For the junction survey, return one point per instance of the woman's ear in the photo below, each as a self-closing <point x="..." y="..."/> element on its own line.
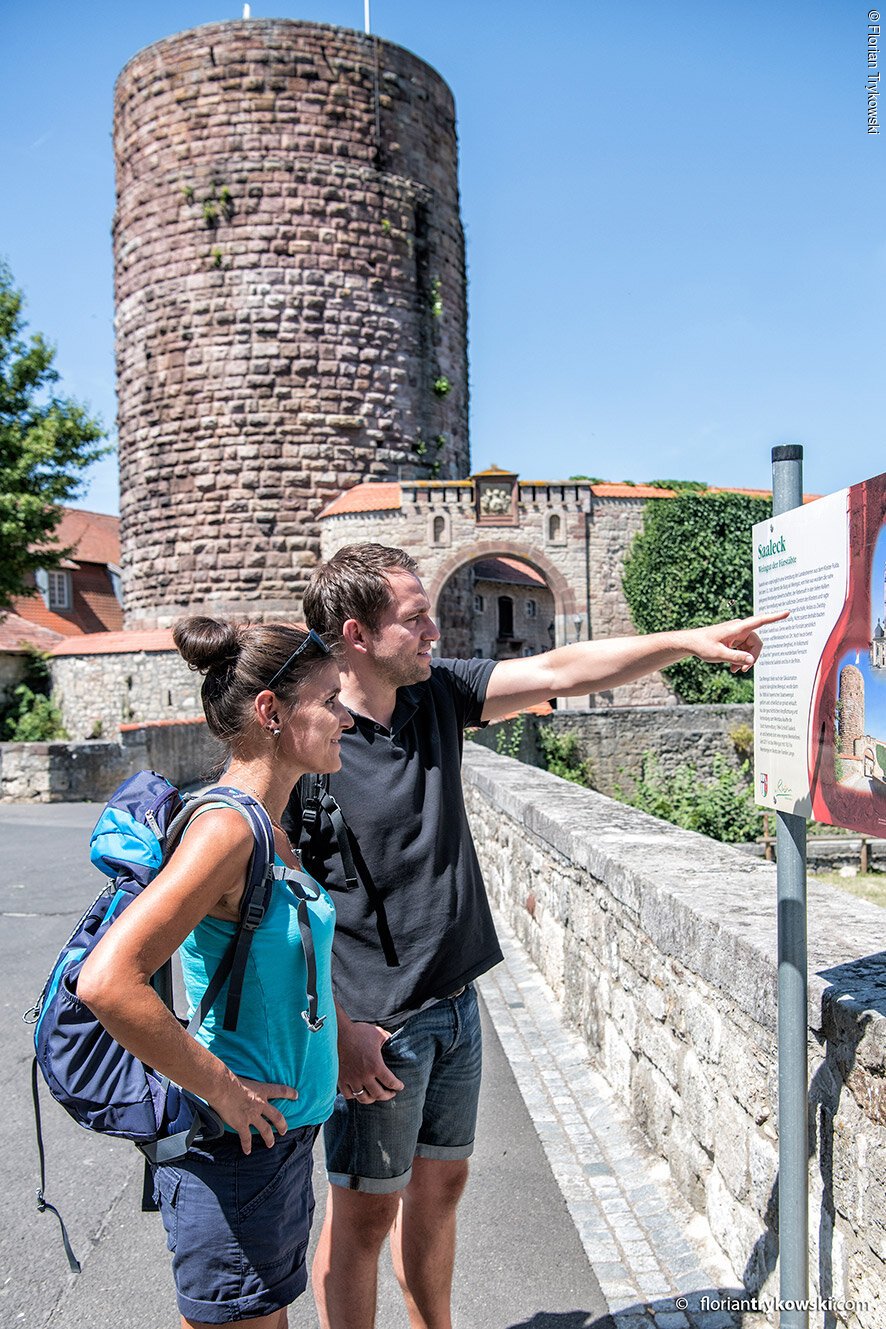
<point x="267" y="712"/>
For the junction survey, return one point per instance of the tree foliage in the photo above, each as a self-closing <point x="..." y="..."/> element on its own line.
<point x="46" y="442"/>
<point x="691" y="564"/>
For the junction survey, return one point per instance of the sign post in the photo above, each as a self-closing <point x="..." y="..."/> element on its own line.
<point x="793" y="1144"/>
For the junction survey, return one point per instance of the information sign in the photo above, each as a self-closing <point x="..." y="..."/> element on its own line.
<point x="820" y="684"/>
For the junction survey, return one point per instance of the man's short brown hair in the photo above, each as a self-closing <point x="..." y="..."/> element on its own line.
<point x="353" y="584"/>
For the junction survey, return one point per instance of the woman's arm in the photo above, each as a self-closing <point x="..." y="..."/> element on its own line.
<point x="209" y="864"/>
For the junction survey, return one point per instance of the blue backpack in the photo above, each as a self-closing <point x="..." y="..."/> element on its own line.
<point x="101" y="1085"/>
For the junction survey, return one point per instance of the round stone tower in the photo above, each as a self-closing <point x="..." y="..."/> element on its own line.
<point x="290" y="291"/>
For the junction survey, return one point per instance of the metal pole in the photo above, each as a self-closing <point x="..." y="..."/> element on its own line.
<point x="793" y="1143"/>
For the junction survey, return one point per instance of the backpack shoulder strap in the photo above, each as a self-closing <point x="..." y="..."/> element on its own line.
<point x="252" y="905"/>
<point x="305" y="890"/>
<point x="316" y="798"/>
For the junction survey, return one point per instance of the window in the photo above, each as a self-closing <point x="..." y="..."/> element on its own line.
<point x="554" y="528"/>
<point x="505" y="616"/>
<point x="479" y="604"/>
<point x="116" y="580"/>
<point x="58" y="593"/>
<point x="531" y="609"/>
<point x="439" y="528"/>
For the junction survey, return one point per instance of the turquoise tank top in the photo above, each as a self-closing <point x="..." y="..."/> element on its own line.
<point x="272" y="1042"/>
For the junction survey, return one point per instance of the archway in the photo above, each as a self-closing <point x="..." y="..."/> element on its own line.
<point x="498" y="601"/>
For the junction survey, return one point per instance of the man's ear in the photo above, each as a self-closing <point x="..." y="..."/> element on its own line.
<point x="354" y="635"/>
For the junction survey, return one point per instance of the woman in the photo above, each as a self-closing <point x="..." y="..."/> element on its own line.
<point x="237" y="1211"/>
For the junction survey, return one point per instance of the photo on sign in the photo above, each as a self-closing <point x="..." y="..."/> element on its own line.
<point x="847" y="735"/>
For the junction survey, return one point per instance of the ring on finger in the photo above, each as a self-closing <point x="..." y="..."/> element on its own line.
<point x="358" y="1092"/>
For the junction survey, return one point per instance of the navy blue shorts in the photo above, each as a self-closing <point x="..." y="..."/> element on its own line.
<point x="238" y="1225"/>
<point x="438" y="1055"/>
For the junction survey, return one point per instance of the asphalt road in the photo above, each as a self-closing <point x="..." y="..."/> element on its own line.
<point x="520" y="1264"/>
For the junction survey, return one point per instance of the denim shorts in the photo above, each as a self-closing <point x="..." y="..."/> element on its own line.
<point x="238" y="1224"/>
<point x="437" y="1054"/>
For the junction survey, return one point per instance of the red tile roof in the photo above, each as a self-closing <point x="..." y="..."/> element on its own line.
<point x="95" y="536"/>
<point x="382" y="496"/>
<point x="510" y="570"/>
<point x="622" y="490"/>
<point x="117" y="643"/>
<point x="16" y="632"/>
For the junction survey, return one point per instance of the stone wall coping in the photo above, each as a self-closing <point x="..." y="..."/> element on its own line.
<point x="701" y="902"/>
<point x="161" y="724"/>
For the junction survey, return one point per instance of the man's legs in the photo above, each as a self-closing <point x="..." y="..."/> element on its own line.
<point x="423" y="1240"/>
<point x="344" y="1275"/>
<point x="410" y="1151"/>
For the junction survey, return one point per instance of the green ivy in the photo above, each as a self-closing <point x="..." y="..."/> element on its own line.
<point x="722" y="808"/>
<point x="691" y="564"/>
<point x="679" y="486"/>
<point x="509" y="737"/>
<point x="562" y="757"/>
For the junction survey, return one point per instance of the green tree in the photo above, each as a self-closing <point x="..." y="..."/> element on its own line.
<point x="46" y="442"/>
<point x="692" y="564"/>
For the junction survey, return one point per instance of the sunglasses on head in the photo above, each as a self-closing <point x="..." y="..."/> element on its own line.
<point x="312" y="639"/>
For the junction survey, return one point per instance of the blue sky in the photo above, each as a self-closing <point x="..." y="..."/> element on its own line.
<point x="674" y="221"/>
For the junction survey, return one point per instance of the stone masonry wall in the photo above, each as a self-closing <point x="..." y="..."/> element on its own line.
<point x="616" y="740"/>
<point x="184" y="752"/>
<point x="661" y="945"/>
<point x="290" y="286"/>
<point x="581" y="562"/>
<point x="96" y="694"/>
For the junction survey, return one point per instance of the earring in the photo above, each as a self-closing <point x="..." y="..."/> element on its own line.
<point x="275" y="733"/>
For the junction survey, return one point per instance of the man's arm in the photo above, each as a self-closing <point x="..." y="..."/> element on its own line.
<point x="592" y="666"/>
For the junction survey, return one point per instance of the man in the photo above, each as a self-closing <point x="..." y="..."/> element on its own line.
<point x="416" y="930"/>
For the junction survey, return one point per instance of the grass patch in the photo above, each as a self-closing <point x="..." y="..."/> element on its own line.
<point x="868" y="886"/>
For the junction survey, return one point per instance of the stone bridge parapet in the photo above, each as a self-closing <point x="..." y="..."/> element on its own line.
<point x="661" y="945"/>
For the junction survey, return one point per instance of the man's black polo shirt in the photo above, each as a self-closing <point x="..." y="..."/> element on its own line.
<point x="418" y="924"/>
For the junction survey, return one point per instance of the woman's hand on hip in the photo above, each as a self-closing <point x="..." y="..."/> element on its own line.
<point x="245" y="1104"/>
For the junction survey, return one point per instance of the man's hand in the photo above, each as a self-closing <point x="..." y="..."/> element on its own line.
<point x="362" y="1073"/>
<point x="734" y="643"/>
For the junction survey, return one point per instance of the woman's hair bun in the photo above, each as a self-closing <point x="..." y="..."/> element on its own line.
<point x="206" y="643"/>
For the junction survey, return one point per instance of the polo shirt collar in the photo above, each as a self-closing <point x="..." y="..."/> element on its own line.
<point x="405" y="706"/>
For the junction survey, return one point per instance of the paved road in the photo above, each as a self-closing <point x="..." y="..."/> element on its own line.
<point x="520" y="1264"/>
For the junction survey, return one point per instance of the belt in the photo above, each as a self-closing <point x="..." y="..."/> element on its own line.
<point x="451" y="996"/>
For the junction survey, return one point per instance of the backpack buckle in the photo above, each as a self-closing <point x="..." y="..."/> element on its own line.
<point x="310" y="815"/>
<point x="253" y="915"/>
<point x="314" y="1025"/>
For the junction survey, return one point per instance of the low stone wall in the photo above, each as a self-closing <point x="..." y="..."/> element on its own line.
<point x="614" y="741"/>
<point x="184" y="751"/>
<point x="661" y="945"/>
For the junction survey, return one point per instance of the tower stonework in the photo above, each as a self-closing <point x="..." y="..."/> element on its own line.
<point x="290" y="292"/>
